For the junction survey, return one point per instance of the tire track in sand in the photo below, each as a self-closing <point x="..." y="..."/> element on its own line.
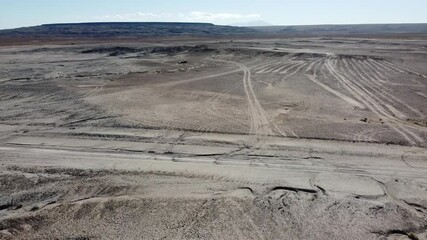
<point x="220" y="113"/>
<point x="260" y="124"/>
<point x="364" y="96"/>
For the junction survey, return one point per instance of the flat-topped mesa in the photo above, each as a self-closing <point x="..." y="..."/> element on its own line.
<point x="131" y="23"/>
<point x="125" y="29"/>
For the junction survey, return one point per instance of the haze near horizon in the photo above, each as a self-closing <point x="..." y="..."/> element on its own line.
<point x="23" y="13"/>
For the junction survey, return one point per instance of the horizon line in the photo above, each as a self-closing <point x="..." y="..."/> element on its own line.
<point x="180" y="22"/>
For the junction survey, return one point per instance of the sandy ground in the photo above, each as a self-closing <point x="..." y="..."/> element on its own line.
<point x="315" y="138"/>
<point x="336" y="89"/>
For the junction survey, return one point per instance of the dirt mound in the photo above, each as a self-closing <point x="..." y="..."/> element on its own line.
<point x="113" y="51"/>
<point x="116" y="51"/>
<point x="180" y="49"/>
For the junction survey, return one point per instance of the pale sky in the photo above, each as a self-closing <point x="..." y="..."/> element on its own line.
<point x="19" y="13"/>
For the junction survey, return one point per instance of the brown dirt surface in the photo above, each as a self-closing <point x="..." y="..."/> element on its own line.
<point x="192" y="138"/>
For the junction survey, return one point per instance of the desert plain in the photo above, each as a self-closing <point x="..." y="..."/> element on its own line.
<point x="214" y="138"/>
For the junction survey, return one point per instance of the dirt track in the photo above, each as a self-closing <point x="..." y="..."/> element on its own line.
<point x="310" y="138"/>
<point x="363" y="94"/>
